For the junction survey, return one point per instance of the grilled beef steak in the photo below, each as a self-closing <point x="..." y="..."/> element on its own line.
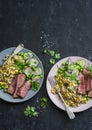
<point x="81" y="87"/>
<point x="24" y="89"/>
<point x="20" y="81"/>
<point x="12" y="86"/>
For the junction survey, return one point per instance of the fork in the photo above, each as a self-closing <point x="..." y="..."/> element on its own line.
<point x="69" y="112"/>
<point x="17" y="49"/>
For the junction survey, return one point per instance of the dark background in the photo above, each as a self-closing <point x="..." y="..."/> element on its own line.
<point x="62" y="25"/>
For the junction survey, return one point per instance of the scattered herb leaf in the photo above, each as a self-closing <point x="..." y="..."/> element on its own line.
<point x="52" y="61"/>
<point x="57" y="56"/>
<point x="44" y="51"/>
<point x="43" y="102"/>
<point x="53" y="55"/>
<point x="30" y="111"/>
<point x="51" y="52"/>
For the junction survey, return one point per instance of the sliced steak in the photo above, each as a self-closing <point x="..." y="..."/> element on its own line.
<point x="20" y="81"/>
<point x="87" y="79"/>
<point x="81" y="87"/>
<point x="90" y="93"/>
<point x="12" y="86"/>
<point x="24" y="89"/>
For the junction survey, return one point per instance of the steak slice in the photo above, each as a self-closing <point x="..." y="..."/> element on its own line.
<point x="90" y="93"/>
<point x="24" y="89"/>
<point x="81" y="87"/>
<point x="20" y="81"/>
<point x="12" y="86"/>
<point x="87" y="79"/>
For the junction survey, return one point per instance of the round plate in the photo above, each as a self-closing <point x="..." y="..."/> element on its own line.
<point x="31" y="93"/>
<point x="55" y="98"/>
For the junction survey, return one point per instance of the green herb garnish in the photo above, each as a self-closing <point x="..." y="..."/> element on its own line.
<point x="90" y="70"/>
<point x="53" y="55"/>
<point x="35" y="85"/>
<point x="57" y="56"/>
<point x="44" y="51"/>
<point x="51" y="52"/>
<point x="43" y="102"/>
<point x="52" y="61"/>
<point x="30" y="111"/>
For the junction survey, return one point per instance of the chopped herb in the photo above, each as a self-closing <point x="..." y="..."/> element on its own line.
<point x="73" y="77"/>
<point x="35" y="85"/>
<point x="57" y="56"/>
<point x="51" y="52"/>
<point x="90" y="69"/>
<point x="53" y="55"/>
<point x="52" y="61"/>
<point x="30" y="111"/>
<point x="86" y="96"/>
<point x="28" y="76"/>
<point x="44" y="51"/>
<point x="33" y="68"/>
<point x="19" y="64"/>
<point x="43" y="102"/>
<point x="21" y="54"/>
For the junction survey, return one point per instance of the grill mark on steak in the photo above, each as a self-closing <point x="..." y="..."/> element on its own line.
<point x="24" y="89"/>
<point x="20" y="81"/>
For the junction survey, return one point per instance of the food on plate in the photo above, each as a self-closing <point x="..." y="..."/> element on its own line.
<point x="74" y="80"/>
<point x="22" y="91"/>
<point x="85" y="82"/>
<point x="20" y="74"/>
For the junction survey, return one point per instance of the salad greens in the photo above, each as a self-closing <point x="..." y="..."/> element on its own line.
<point x="71" y="71"/>
<point x="25" y="63"/>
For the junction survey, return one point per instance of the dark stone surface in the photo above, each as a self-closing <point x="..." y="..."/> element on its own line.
<point x="62" y="25"/>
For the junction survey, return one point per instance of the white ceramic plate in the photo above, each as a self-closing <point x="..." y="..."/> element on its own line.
<point x="55" y="98"/>
<point x="31" y="93"/>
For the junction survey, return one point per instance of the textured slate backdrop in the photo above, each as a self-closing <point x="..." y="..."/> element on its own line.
<point x="62" y="25"/>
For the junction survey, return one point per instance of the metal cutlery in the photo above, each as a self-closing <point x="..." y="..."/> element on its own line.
<point x="17" y="49"/>
<point x="69" y="112"/>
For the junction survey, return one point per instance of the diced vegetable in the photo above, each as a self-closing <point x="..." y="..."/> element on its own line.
<point x="28" y="70"/>
<point x="38" y="71"/>
<point x="35" y="85"/>
<point x="82" y="63"/>
<point x="32" y="62"/>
